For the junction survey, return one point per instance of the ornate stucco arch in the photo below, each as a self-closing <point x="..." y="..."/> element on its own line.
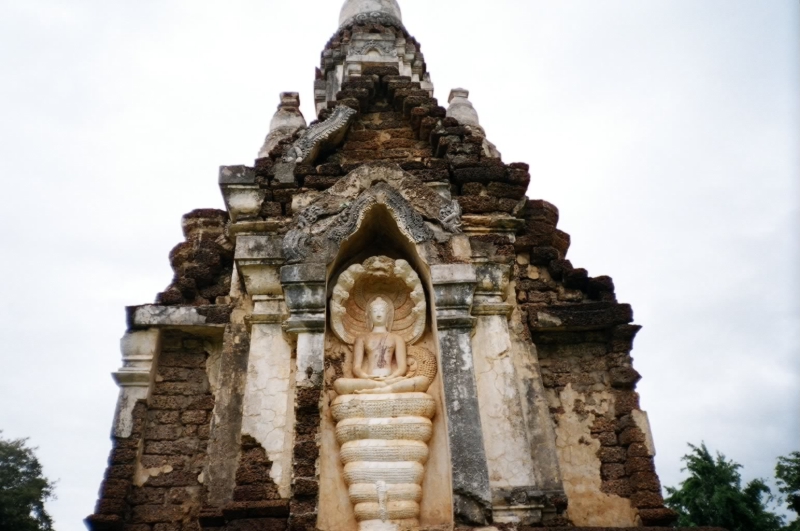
<point x="420" y="214"/>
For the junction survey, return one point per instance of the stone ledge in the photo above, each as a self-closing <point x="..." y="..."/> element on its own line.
<point x="152" y="315"/>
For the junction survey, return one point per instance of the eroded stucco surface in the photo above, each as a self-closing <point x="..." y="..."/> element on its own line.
<point x="266" y="401"/>
<point x="580" y="466"/>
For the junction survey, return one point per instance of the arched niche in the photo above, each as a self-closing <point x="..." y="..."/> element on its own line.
<point x="379" y="233"/>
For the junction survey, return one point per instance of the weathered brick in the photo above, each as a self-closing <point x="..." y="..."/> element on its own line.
<point x="607" y="438"/>
<point x="611" y="471"/>
<point x="159" y="432"/>
<point x="612" y="454"/>
<point x="645" y="481"/>
<point x="174" y="479"/>
<point x="471" y="204"/>
<point x="625" y="402"/>
<point x="182" y="359"/>
<point x="146" y="496"/>
<point x="624" y="378"/>
<point x="120" y="472"/>
<point x="506" y="191"/>
<point x="157" y="513"/>
<point x="635" y="465"/>
<point x="111" y="506"/>
<point x="194" y="417"/>
<point x="638" y="450"/>
<point x="631" y="435"/>
<point x="618" y="487"/>
<point x="249" y="493"/>
<point x="179" y="447"/>
<point x="647" y="500"/>
<point x="305" y="487"/>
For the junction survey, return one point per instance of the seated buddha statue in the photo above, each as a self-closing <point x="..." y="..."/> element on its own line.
<point x="380" y="364"/>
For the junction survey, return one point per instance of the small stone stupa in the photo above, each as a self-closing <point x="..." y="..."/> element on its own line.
<point x="381" y="332"/>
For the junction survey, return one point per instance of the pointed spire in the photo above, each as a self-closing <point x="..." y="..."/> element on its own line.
<point x="365" y="10"/>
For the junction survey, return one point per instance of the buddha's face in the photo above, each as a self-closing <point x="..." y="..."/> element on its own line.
<point x="378" y="313"/>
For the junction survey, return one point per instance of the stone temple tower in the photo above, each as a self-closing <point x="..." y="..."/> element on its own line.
<point x="380" y="332"/>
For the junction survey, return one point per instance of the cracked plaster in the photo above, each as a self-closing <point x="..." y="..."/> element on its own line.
<point x="266" y="413"/>
<point x="580" y="466"/>
<point x="508" y="450"/>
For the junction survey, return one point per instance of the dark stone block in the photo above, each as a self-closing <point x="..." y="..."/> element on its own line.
<point x="597" y="285"/>
<point x="610" y="471"/>
<point x="270" y="209"/>
<point x="647" y="500"/>
<point x="561" y="241"/>
<point x="640" y="464"/>
<point x="624" y="378"/>
<point x="506" y="191"/>
<point x="472" y="189"/>
<point x="591" y="315"/>
<point x="152" y="514"/>
<point x="612" y="454"/>
<point x="485" y="172"/>
<point x="622" y="338"/>
<point x="647" y="481"/>
<point x="576" y="279"/>
<point x="304" y="487"/>
<point x="618" y="487"/>
<point x="542" y="255"/>
<point x="664" y="517"/>
<point x="473" y="204"/>
<point x="538" y="210"/>
<point x="638" y="450"/>
<point x="625" y="402"/>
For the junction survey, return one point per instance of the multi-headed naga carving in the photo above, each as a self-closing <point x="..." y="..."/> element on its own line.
<point x="383" y="413"/>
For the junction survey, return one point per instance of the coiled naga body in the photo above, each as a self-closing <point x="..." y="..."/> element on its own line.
<point x="384" y="412"/>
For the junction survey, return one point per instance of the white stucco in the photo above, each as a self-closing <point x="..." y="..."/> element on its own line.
<point x="508" y="451"/>
<point x="266" y="412"/>
<point x="352" y="8"/>
<point x="139" y="351"/>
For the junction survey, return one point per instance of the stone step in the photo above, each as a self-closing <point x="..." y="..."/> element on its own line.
<point x="402" y="428"/>
<point x="386" y="451"/>
<point x="383" y="406"/>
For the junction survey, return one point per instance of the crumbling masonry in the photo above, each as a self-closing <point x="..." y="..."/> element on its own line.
<point x="223" y="419"/>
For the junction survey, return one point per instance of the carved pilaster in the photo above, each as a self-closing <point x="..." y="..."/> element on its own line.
<point x="135" y="378"/>
<point x="259" y="260"/>
<point x="453" y="289"/>
<point x="243" y="197"/>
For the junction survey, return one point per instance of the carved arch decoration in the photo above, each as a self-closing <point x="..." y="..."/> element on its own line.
<point x="320" y="229"/>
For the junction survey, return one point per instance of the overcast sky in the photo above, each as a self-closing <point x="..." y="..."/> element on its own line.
<point x="666" y="131"/>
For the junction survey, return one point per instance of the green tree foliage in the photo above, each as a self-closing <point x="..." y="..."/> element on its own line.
<point x="23" y="489"/>
<point x="713" y="495"/>
<point x="787" y="472"/>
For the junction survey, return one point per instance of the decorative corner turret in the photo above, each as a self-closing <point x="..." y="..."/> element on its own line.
<point x="462" y="110"/>
<point x="286" y="122"/>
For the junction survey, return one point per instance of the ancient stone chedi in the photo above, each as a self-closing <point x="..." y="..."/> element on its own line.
<point x="381" y="332"/>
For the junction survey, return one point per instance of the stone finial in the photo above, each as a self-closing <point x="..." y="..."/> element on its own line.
<point x="286" y="121"/>
<point x="369" y="9"/>
<point x="461" y="108"/>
